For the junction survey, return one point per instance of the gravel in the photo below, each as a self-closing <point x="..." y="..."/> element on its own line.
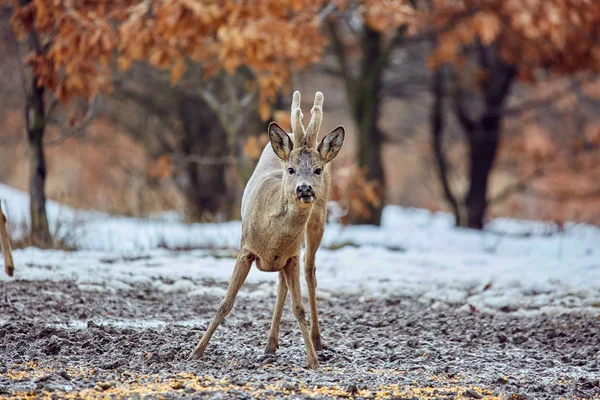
<point x="60" y="341"/>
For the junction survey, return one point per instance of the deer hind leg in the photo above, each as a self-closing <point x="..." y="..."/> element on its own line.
<point x="240" y="272"/>
<point x="273" y="339"/>
<point x="292" y="279"/>
<point x="314" y="234"/>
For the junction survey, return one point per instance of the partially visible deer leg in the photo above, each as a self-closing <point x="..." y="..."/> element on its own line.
<point x="273" y="340"/>
<point x="314" y="234"/>
<point x="240" y="272"/>
<point x="292" y="279"/>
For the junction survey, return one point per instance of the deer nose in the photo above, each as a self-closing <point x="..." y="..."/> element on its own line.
<point x="304" y="191"/>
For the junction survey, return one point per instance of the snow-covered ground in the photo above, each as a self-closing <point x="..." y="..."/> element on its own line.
<point x="522" y="265"/>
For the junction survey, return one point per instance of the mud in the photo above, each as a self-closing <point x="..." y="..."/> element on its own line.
<point x="59" y="341"/>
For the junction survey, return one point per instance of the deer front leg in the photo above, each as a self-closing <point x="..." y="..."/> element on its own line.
<point x="313" y="240"/>
<point x="311" y="284"/>
<point x="292" y="280"/>
<point x="240" y="272"/>
<point x="273" y="339"/>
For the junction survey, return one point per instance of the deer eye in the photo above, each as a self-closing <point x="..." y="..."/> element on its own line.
<point x="318" y="171"/>
<point x="291" y="171"/>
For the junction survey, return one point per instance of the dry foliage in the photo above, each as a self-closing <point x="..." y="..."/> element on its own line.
<point x="553" y="156"/>
<point x="254" y="145"/>
<point x="84" y="42"/>
<point x="386" y="16"/>
<point x="354" y="194"/>
<point x="557" y="35"/>
<point x="162" y="168"/>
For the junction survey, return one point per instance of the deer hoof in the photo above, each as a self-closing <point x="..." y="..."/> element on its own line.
<point x="313" y="364"/>
<point x="271" y="346"/>
<point x="196" y="354"/>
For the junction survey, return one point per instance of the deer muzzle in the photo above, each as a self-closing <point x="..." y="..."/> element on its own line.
<point x="305" y="193"/>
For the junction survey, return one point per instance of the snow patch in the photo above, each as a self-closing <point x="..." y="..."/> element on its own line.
<point x="526" y="268"/>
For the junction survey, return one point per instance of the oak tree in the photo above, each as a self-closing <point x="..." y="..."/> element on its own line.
<point x="374" y="28"/>
<point x="77" y="47"/>
<point x="483" y="47"/>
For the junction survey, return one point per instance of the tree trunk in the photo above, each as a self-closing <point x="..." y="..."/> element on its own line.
<point x="35" y="125"/>
<point x="366" y="109"/>
<point x="253" y="126"/>
<point x="437" y="123"/>
<point x="363" y="92"/>
<point x="483" y="147"/>
<point x="204" y="186"/>
<point x="483" y="133"/>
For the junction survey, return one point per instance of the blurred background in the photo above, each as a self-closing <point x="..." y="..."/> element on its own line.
<point x="479" y="108"/>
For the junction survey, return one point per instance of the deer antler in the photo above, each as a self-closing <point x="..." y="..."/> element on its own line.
<point x="315" y="121"/>
<point x="296" y="119"/>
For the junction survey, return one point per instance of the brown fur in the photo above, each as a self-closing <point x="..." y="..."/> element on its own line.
<point x="276" y="220"/>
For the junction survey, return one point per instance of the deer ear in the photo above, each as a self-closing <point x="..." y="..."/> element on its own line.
<point x="280" y="141"/>
<point x="331" y="144"/>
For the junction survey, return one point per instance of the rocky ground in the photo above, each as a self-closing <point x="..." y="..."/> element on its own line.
<point x="58" y="341"/>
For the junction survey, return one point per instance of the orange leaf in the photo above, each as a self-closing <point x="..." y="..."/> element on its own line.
<point x="163" y="167"/>
<point x="177" y="71"/>
<point x="264" y="111"/>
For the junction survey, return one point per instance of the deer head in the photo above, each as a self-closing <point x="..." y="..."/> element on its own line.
<point x="303" y="161"/>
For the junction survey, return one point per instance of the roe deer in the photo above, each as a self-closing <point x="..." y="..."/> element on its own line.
<point x="285" y="204"/>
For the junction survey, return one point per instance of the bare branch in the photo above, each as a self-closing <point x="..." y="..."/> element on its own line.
<point x="210" y="99"/>
<point x="227" y="121"/>
<point x="324" y="13"/>
<point x="230" y="113"/>
<point x="584" y="99"/>
<point x="555" y="96"/>
<point x="339" y="49"/>
<point x="405" y="88"/>
<point x="53" y="103"/>
<point x="518" y="187"/>
<point x="561" y="196"/>
<point x="145" y="100"/>
<point x="203" y="160"/>
<point x="328" y="70"/>
<point x="469" y="123"/>
<point x="437" y="130"/>
<point x="11" y="139"/>
<point x="248" y="99"/>
<point x="232" y="94"/>
<point x="245" y="103"/>
<point x="499" y="80"/>
<point x="22" y="74"/>
<point x="80" y="126"/>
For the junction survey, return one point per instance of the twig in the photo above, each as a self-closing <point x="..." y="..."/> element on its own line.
<point x="51" y="107"/>
<point x="437" y="131"/>
<point x="517" y="187"/>
<point x="9" y="266"/>
<point x="561" y="196"/>
<point x="339" y="49"/>
<point x="328" y="9"/>
<point x="203" y="160"/>
<point x="91" y="112"/>
<point x="547" y="100"/>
